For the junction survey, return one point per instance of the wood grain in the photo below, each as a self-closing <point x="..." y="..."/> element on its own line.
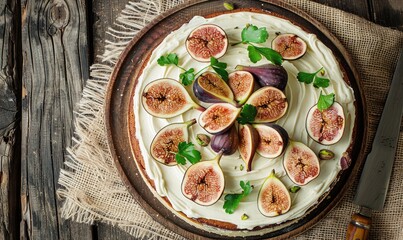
<point x="55" y="67"/>
<point x="387" y="13"/>
<point x="9" y="87"/>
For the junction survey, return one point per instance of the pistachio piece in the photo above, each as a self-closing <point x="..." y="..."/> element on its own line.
<point x="295" y="189"/>
<point x="345" y="161"/>
<point x="325" y="154"/>
<point x="228" y="6"/>
<point x="202" y="139"/>
<point x="244" y="217"/>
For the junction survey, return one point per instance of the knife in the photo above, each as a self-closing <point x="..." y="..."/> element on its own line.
<point x="374" y="181"/>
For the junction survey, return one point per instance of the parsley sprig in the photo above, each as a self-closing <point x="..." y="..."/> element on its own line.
<point x="308" y="78"/>
<point x="187" y="151"/>
<point x="252" y="34"/>
<point x="247" y="115"/>
<point x="232" y="200"/>
<point x="188" y="75"/>
<point x="325" y="101"/>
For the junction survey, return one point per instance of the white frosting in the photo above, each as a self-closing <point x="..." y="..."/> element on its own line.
<point x="300" y="98"/>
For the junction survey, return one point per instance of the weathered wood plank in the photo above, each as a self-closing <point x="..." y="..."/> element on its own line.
<point x="109" y="232"/>
<point x="9" y="86"/>
<point x="358" y="7"/>
<point x="388" y="13"/>
<point x="55" y="67"/>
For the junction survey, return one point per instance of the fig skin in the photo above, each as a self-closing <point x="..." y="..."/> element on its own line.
<point x="242" y="84"/>
<point x="248" y="135"/>
<point x="268" y="75"/>
<point x="203" y="173"/>
<point x="290" y="46"/>
<point x="226" y="142"/>
<point x="281" y="137"/>
<point x="274" y="198"/>
<point x="219" y="91"/>
<point x="165" y="142"/>
<point x="207" y="41"/>
<point x="330" y="123"/>
<point x="218" y="118"/>
<point x="167" y="98"/>
<point x="300" y="163"/>
<point x="270" y="102"/>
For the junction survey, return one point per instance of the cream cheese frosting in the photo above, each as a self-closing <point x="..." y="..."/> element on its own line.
<point x="301" y="97"/>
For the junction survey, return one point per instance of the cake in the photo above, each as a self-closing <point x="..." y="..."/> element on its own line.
<point x="165" y="181"/>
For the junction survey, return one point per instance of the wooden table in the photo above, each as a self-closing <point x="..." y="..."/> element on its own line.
<point x="46" y="49"/>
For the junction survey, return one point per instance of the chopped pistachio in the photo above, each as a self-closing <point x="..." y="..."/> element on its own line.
<point x="325" y="154"/>
<point x="244" y="217"/>
<point x="322" y="72"/>
<point x="295" y="189"/>
<point x="241" y="167"/>
<point x="202" y="139"/>
<point x="228" y="6"/>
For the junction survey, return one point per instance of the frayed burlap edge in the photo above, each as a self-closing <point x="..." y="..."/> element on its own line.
<point x="91" y="186"/>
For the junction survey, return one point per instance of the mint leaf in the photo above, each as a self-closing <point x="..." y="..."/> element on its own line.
<point x="254" y="34"/>
<point x="321" y="82"/>
<point x="171" y="58"/>
<point x="232" y="200"/>
<point x="187" y="151"/>
<point x="253" y="54"/>
<point x="187" y="77"/>
<point x="271" y="55"/>
<point x="219" y="68"/>
<point x="325" y="101"/>
<point x="248" y="114"/>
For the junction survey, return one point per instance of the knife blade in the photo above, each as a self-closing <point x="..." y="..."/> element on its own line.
<point x="374" y="180"/>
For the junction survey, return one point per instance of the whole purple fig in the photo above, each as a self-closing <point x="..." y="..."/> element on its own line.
<point x="226" y="142"/>
<point x="268" y="75"/>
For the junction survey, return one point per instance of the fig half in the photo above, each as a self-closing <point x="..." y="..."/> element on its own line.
<point x="226" y="142"/>
<point x="326" y="127"/>
<point x="165" y="143"/>
<point x="207" y="41"/>
<point x="300" y="163"/>
<point x="242" y="84"/>
<point x="273" y="140"/>
<point x="209" y="87"/>
<point x="270" y="102"/>
<point x="268" y="75"/>
<point x="167" y="98"/>
<point x="218" y="117"/>
<point x="274" y="198"/>
<point x="289" y="45"/>
<point x="248" y="142"/>
<point x="204" y="182"/>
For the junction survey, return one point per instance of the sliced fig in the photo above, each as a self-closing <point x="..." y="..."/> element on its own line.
<point x="274" y="198"/>
<point x="289" y="45"/>
<point x="226" y="142"/>
<point x="248" y="141"/>
<point x="241" y="84"/>
<point x="268" y="75"/>
<point x="300" y="163"/>
<point x="165" y="143"/>
<point x="207" y="41"/>
<point x="211" y="88"/>
<point x="218" y="117"/>
<point x="326" y="127"/>
<point x="203" y="182"/>
<point x="166" y="98"/>
<point x="270" y="102"/>
<point x="273" y="140"/>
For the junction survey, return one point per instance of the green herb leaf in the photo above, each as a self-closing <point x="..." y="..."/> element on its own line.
<point x="271" y="55"/>
<point x="253" y="54"/>
<point x="232" y="200"/>
<point x="248" y="114"/>
<point x="307" y="77"/>
<point x="187" y="77"/>
<point x="321" y="82"/>
<point x="325" y="101"/>
<point x="187" y="151"/>
<point x="219" y="67"/>
<point x="171" y="58"/>
<point x="254" y="34"/>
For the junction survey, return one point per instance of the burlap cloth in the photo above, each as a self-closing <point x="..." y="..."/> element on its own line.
<point x="93" y="191"/>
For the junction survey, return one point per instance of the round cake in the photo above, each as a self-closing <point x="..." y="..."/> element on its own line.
<point x="301" y="97"/>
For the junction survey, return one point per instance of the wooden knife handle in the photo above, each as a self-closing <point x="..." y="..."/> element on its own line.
<point x="358" y="228"/>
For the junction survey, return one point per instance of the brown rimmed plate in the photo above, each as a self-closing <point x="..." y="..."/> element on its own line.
<point x="121" y="127"/>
